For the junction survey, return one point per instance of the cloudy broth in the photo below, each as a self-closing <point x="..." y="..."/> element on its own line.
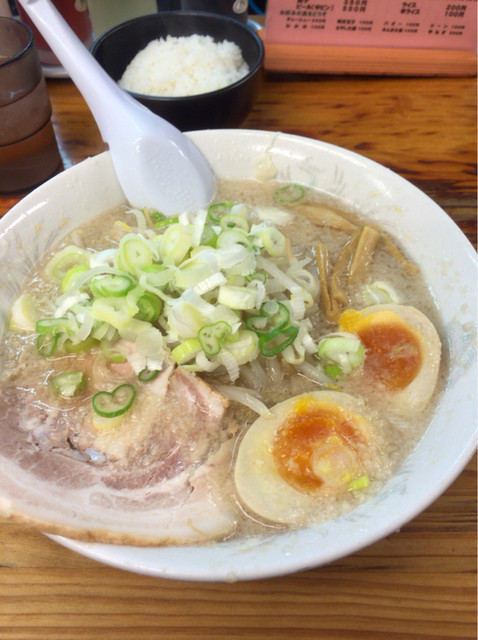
<point x="269" y="379"/>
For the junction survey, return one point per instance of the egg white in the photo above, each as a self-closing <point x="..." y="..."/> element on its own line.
<point x="415" y="396"/>
<point x="260" y="487"/>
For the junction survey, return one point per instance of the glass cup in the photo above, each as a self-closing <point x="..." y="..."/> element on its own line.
<point x="28" y="148"/>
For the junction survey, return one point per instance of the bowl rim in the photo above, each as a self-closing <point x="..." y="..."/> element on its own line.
<point x="204" y="14"/>
<point x="171" y="562"/>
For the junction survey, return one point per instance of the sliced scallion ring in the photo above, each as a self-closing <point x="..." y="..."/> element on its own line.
<point x="67" y="258"/>
<point x="379" y="293"/>
<point x="49" y="326"/>
<point x="216" y="211"/>
<point x="134" y="253"/>
<point x="166" y="222"/>
<point x="257" y="275"/>
<point x="68" y="383"/>
<point x="175" y="243"/>
<point x="289" y="193"/>
<point x="46" y="344"/>
<point x="149" y="306"/>
<point x="229" y="237"/>
<point x="274" y="342"/>
<point x="340" y="354"/>
<point x="211" y="336"/>
<point x="272" y="315"/>
<point x="71" y="276"/>
<point x="111" y="285"/>
<point x="274" y="241"/>
<point x="147" y="375"/>
<point x="208" y="237"/>
<point x="233" y="297"/>
<point x="72" y="346"/>
<point x="186" y="351"/>
<point x="234" y="221"/>
<point x="109" y="404"/>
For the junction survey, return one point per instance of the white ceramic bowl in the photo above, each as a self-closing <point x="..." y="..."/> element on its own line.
<point x="431" y="239"/>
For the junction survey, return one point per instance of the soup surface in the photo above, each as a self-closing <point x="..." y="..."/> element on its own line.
<point x="266" y="363"/>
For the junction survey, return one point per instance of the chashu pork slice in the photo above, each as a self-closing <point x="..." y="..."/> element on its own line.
<point x="154" y="478"/>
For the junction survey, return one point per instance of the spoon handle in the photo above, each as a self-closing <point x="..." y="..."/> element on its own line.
<point x="83" y="69"/>
<point x="157" y="165"/>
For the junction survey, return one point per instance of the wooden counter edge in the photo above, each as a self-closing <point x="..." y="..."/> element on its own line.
<point x="369" y="60"/>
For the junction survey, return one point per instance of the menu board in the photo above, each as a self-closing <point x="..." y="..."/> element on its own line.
<point x="367" y="27"/>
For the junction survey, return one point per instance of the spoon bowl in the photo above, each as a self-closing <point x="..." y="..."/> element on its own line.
<point x="157" y="166"/>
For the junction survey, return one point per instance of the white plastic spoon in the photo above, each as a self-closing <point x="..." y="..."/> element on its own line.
<point x="157" y="166"/>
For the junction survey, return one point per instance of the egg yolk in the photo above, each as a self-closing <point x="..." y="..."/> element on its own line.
<point x="316" y="445"/>
<point x="393" y="349"/>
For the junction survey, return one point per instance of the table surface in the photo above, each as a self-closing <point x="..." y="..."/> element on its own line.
<point x="416" y="584"/>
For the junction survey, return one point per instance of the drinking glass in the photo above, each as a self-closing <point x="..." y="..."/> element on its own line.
<point x="28" y="149"/>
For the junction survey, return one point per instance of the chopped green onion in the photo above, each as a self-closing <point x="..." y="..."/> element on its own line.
<point x="379" y="293"/>
<point x="340" y="354"/>
<point x="217" y="211"/>
<point x="191" y="272"/>
<point x="166" y="221"/>
<point x="133" y="328"/>
<point x="186" y="351"/>
<point x="229" y="237"/>
<point x="274" y="342"/>
<point x="237" y="297"/>
<point x="243" y="346"/>
<point x="211" y="336"/>
<point x="52" y="325"/>
<point x="157" y="275"/>
<point x="70" y="346"/>
<point x="109" y="404"/>
<point x="110" y="351"/>
<point x="175" y="244"/>
<point x="234" y="221"/>
<point x="333" y="371"/>
<point x="71" y="277"/>
<point x="134" y="253"/>
<point x="68" y="383"/>
<point x="257" y="275"/>
<point x="150" y="307"/>
<point x="46" y="344"/>
<point x="154" y="216"/>
<point x="272" y="315"/>
<point x="289" y="193"/>
<point x="67" y="258"/>
<point x="112" y="310"/>
<point x="24" y="313"/>
<point x="147" y="375"/>
<point x="362" y="482"/>
<point x="208" y="237"/>
<point x="274" y="241"/>
<point x="111" y="285"/>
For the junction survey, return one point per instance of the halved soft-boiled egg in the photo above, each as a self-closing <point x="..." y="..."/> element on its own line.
<point x="402" y="353"/>
<point x="311" y="446"/>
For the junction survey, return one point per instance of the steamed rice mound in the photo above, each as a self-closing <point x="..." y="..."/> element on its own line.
<point x="184" y="66"/>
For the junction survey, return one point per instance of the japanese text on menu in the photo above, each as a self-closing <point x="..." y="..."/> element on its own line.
<point x="419" y="23"/>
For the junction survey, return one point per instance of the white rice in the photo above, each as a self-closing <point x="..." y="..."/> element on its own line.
<point x="184" y="66"/>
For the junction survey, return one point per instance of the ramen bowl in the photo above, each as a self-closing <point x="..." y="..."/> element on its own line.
<point x="449" y="268"/>
<point x="225" y="107"/>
